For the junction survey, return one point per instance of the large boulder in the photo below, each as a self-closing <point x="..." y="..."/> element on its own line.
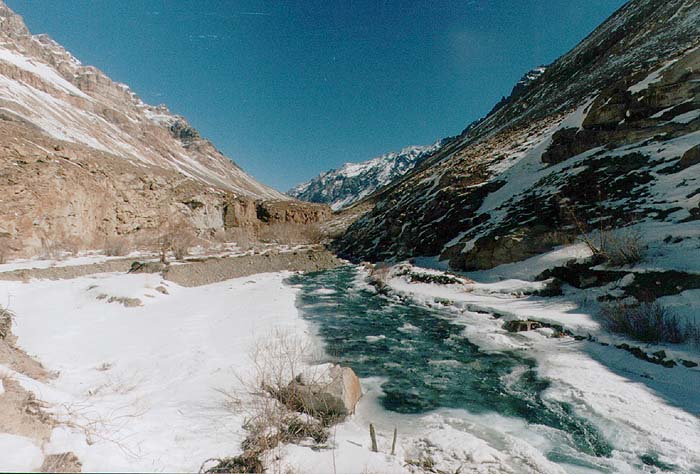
<point x="327" y="392"/>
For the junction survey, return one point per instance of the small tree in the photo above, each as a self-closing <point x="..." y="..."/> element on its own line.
<point x="177" y="237"/>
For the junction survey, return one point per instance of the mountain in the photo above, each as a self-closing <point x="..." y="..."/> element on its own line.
<point x="353" y="181"/>
<point x="83" y="159"/>
<point x="606" y="136"/>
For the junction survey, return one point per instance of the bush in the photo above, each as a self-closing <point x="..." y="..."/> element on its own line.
<point x="646" y="322"/>
<point x="116" y="246"/>
<point x="177" y="237"/>
<point x="622" y="247"/>
<point x="270" y="420"/>
<point x="243" y="237"/>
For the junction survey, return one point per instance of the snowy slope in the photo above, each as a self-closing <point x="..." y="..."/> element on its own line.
<point x="44" y="87"/>
<point x="354" y="181"/>
<point x="609" y="129"/>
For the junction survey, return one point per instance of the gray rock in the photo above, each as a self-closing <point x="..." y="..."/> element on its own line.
<point x="326" y="392"/>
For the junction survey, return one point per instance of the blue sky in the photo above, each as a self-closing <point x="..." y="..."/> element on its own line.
<point x="288" y="89"/>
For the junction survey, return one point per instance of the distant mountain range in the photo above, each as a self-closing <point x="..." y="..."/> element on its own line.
<point x="342" y="187"/>
<point x="352" y="182"/>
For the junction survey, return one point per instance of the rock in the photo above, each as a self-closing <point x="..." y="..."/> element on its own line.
<point x="127" y="302"/>
<point x="521" y="326"/>
<point x="325" y="392"/>
<point x="147" y="267"/>
<point x="690" y="158"/>
<point x="63" y="462"/>
<point x="273" y="212"/>
<point x="162" y="289"/>
<point x="5" y="323"/>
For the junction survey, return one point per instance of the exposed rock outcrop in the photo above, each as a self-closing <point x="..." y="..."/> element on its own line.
<point x="326" y="392"/>
<point x="605" y="135"/>
<point x="84" y="160"/>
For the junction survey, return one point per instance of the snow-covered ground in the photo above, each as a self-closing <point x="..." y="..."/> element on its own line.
<point x="138" y="386"/>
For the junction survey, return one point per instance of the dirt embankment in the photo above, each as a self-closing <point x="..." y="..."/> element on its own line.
<point x="197" y="272"/>
<point x="67" y="272"/>
<point x="220" y="269"/>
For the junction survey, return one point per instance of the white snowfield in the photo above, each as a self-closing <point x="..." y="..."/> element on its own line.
<point x="138" y="386"/>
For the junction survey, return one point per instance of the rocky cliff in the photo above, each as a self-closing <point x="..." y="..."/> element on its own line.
<point x="83" y="159"/>
<point x="603" y="137"/>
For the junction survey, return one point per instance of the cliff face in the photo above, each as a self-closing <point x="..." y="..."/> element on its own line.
<point x="605" y="133"/>
<point x="83" y="159"/>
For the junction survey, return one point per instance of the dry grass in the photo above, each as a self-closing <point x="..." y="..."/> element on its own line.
<point x="116" y="246"/>
<point x="618" y="247"/>
<point x="646" y="322"/>
<point x="269" y="419"/>
<point x="63" y="462"/>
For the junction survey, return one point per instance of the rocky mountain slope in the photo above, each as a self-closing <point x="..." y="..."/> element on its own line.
<point x="607" y="136"/>
<point x="83" y="159"/>
<point x="352" y="182"/>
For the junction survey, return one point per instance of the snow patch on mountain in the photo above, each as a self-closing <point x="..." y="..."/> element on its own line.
<point x="352" y="182"/>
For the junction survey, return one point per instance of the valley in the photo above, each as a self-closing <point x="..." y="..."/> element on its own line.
<point x="523" y="297"/>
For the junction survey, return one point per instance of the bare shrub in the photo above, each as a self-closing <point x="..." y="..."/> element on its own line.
<point x="243" y="237"/>
<point x="178" y="237"/>
<point x="269" y="419"/>
<point x="617" y="247"/>
<point x="115" y="246"/>
<point x="4" y="248"/>
<point x="646" y="322"/>
<point x="57" y="248"/>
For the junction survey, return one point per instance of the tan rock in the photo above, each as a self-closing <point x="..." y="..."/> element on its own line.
<point x="325" y="391"/>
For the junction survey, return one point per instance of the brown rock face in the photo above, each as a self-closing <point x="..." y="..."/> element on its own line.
<point x="83" y="160"/>
<point x="239" y="212"/>
<point x="292" y="212"/>
<point x="690" y="158"/>
<point x="489" y="252"/>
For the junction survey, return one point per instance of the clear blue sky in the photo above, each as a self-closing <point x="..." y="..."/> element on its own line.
<point x="288" y="89"/>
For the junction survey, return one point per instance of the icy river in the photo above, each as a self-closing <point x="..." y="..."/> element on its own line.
<point x="423" y="364"/>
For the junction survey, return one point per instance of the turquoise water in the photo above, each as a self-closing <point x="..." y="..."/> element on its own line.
<point x="426" y="361"/>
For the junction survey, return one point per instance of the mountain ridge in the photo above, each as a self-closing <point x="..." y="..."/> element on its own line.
<point x="85" y="161"/>
<point x="446" y="206"/>
<point x="341" y="187"/>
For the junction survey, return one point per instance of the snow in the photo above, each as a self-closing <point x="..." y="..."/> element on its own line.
<point x="141" y="382"/>
<point x="44" y="71"/>
<point x="686" y="117"/>
<point x="86" y="258"/>
<point x="19" y="454"/>
<point x="653" y="77"/>
<point x="354" y="181"/>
